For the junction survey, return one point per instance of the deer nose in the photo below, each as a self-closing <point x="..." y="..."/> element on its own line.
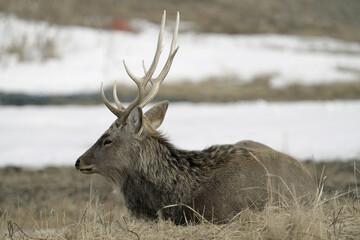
<point x="77" y="163"/>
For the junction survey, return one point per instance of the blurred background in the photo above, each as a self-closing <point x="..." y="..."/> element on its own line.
<point x="282" y="72"/>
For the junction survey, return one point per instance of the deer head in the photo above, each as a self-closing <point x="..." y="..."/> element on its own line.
<point x="118" y="147"/>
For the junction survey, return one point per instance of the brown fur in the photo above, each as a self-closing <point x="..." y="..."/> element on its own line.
<point x="217" y="182"/>
<point x="152" y="174"/>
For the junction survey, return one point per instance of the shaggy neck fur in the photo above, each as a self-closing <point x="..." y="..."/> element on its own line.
<point x="166" y="175"/>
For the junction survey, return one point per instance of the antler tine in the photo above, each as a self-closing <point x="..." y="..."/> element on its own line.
<point x="113" y="109"/>
<point x="176" y="31"/>
<point x="116" y="99"/>
<point x="157" y="81"/>
<point x="144" y="68"/>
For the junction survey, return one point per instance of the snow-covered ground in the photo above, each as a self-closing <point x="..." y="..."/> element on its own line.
<point x="87" y="57"/>
<point x="42" y="136"/>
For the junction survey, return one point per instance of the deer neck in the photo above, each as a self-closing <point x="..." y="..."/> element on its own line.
<point x="167" y="165"/>
<point x="168" y="176"/>
<point x="164" y="164"/>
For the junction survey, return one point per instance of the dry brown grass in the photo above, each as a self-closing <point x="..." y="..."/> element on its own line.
<point x="335" y="18"/>
<point x="232" y="89"/>
<point x="226" y="89"/>
<point x="324" y="219"/>
<point x="59" y="203"/>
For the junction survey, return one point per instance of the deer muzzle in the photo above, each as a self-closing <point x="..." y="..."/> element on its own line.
<point x="86" y="169"/>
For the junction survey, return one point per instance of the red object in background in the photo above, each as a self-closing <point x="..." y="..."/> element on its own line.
<point x="121" y="25"/>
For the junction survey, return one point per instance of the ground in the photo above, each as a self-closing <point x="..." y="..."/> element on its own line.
<point x="61" y="203"/>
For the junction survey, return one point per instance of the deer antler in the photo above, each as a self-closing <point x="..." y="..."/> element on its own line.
<point x="142" y="98"/>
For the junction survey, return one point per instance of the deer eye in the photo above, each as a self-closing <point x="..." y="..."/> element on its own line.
<point x="107" y="142"/>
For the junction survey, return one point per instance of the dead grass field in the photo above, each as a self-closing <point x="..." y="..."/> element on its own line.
<point x="211" y="90"/>
<point x="334" y="18"/>
<point x="60" y="203"/>
<point x="230" y="89"/>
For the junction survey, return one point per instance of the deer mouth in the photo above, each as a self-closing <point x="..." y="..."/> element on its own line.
<point x="87" y="170"/>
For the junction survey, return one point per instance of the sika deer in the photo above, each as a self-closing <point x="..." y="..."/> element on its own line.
<point x="152" y="174"/>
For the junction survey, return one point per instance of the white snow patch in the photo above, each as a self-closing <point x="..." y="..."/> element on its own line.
<point x="43" y="136"/>
<point x="88" y="57"/>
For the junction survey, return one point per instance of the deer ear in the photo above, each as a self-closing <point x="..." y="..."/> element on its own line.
<point x="156" y="114"/>
<point x="135" y="120"/>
